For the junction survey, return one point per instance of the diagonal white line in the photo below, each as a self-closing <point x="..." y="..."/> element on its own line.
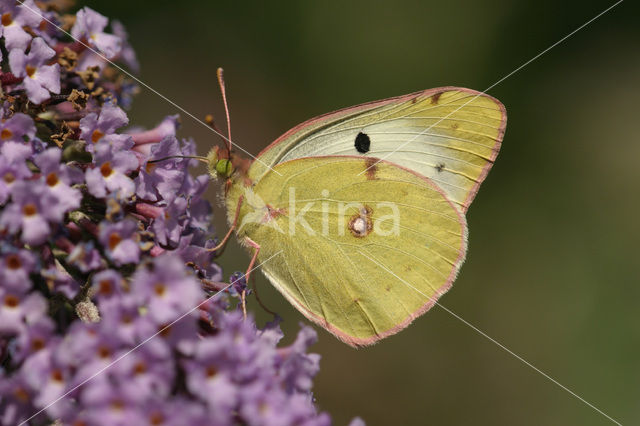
<point x="500" y="345"/>
<point x="142" y="83"/>
<point x="115" y="361"/>
<point x="493" y="85"/>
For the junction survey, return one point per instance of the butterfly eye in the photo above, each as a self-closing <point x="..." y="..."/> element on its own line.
<point x="224" y="168"/>
<point x="218" y="167"/>
<point x="362" y="143"/>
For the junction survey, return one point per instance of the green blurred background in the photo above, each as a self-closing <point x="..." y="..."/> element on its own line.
<point x="552" y="269"/>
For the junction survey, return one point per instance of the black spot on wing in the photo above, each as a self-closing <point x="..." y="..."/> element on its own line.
<point x="440" y="167"/>
<point x="362" y="143"/>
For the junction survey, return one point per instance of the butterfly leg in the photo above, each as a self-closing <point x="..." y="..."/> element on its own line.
<point x="233" y="227"/>
<point x="243" y="299"/>
<point x="247" y="274"/>
<point x="260" y="302"/>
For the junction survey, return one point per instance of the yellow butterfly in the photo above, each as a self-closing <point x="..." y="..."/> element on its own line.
<point x="360" y="213"/>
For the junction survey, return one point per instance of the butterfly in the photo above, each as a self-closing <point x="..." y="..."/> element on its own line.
<point x="358" y="216"/>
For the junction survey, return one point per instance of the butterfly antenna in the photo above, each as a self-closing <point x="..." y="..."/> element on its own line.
<point x="226" y="109"/>
<point x="211" y="123"/>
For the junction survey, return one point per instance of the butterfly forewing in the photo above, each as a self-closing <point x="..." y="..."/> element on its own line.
<point x="451" y="135"/>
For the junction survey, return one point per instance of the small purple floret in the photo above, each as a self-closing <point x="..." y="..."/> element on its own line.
<point x="90" y="25"/>
<point x="39" y="79"/>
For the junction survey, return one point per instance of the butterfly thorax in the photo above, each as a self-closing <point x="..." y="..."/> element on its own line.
<point x="240" y="193"/>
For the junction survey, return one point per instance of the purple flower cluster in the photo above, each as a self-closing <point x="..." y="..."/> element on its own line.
<point x="104" y="262"/>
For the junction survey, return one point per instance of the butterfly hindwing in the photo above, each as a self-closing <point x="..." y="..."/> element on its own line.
<point x="361" y="254"/>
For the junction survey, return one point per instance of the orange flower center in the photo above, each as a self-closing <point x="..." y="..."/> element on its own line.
<point x="117" y="405"/>
<point x="159" y="288"/>
<point x="6" y="19"/>
<point x="21" y="395"/>
<point x="164" y="330"/>
<point x="37" y="344"/>
<point x="52" y="179"/>
<point x="96" y="136"/>
<point x="6" y="134"/>
<point x="56" y="375"/>
<point x="106" y="169"/>
<point x="105" y="287"/>
<point x="29" y="209"/>
<point x="9" y="177"/>
<point x="156" y="418"/>
<point x="211" y="371"/>
<point x="140" y="368"/>
<point x="104" y="352"/>
<point x="13" y="261"/>
<point x="31" y="70"/>
<point x="114" y="240"/>
<point x="11" y="301"/>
